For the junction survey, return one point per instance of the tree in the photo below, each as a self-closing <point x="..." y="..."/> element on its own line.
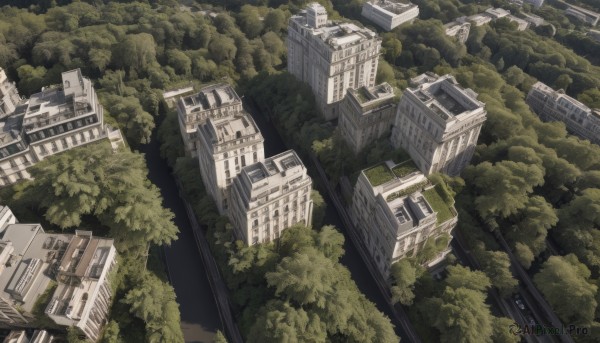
<point x="249" y="21"/>
<point x="463" y="316"/>
<point x="503" y="186"/>
<point x="179" y="61"/>
<point x="278" y="321"/>
<point x="385" y="72"/>
<point x="136" y="52"/>
<point x="567" y="273"/>
<point x="590" y="97"/>
<point x="330" y="242"/>
<point x="74" y="335"/>
<point x="496" y="265"/>
<point x="275" y="21"/>
<point x="111" y="333"/>
<point x="222" y="48"/>
<point x="153" y="301"/>
<point x="111" y="186"/>
<point x="459" y="276"/>
<point x="524" y="255"/>
<point x="501" y="331"/>
<point x="563" y="82"/>
<point x="514" y="76"/>
<point x="136" y="123"/>
<point x="319" y="208"/>
<point x="219" y="337"/>
<point x="404" y="276"/>
<point x="392" y="46"/>
<point x="31" y="79"/>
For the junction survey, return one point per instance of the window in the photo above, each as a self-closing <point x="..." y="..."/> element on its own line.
<point x="226" y="164"/>
<point x="255" y="157"/>
<point x="243" y="161"/>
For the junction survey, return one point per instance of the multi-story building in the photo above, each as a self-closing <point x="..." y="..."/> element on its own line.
<point x="458" y="30"/>
<point x="215" y="101"/>
<point x="331" y="56"/>
<point x="270" y="196"/>
<point x="77" y="265"/>
<point x="594" y="34"/>
<point x="535" y="3"/>
<point x="9" y="95"/>
<point x="438" y="123"/>
<point x="225" y="146"/>
<point x="585" y="15"/>
<point x="6" y="218"/>
<point x="389" y="14"/>
<point x="58" y="118"/>
<point x="366" y="114"/>
<point x="475" y="19"/>
<point x="397" y="210"/>
<point x="552" y="105"/>
<point x="83" y="295"/>
<point x="20" y="336"/>
<point x="533" y="19"/>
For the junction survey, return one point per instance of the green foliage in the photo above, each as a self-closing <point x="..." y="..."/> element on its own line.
<point x="110" y="186"/>
<point x="501" y="334"/>
<point x="154" y="302"/>
<point x="404" y="276"/>
<point x="524" y="254"/>
<point x="496" y="265"/>
<point x="319" y="207"/>
<point x="111" y="333"/>
<point x="219" y="337"/>
<point x="463" y="277"/>
<point x="439" y="205"/>
<point x="378" y="175"/>
<point x="136" y="123"/>
<point x="561" y="273"/>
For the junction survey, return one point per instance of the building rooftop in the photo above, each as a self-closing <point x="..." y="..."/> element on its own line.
<point x="57" y="103"/>
<point x="393" y="7"/>
<point x="210" y="97"/>
<point x="366" y="96"/>
<point x="443" y="95"/>
<point x="231" y="128"/>
<point x="334" y="33"/>
<point x="278" y="164"/>
<point x="497" y="13"/>
<point x="28" y="259"/>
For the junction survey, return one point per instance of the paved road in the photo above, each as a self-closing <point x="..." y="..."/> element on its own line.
<point x="199" y="315"/>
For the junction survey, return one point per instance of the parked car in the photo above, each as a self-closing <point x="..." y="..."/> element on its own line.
<point x="520" y="304"/>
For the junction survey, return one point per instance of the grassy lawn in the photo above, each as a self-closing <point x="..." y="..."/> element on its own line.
<point x="379" y="174"/>
<point x="404" y="168"/>
<point x="437" y="203"/>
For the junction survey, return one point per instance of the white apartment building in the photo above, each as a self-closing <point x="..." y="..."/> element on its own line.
<point x="552" y="105"/>
<point x="9" y="95"/>
<point x="215" y="101"/>
<point x="20" y="336"/>
<point x="16" y="336"/>
<point x="533" y="19"/>
<point x="475" y="19"/>
<point x="83" y="295"/>
<point x="59" y="118"/>
<point x="397" y="211"/>
<point x="31" y="260"/>
<point x="366" y="114"/>
<point x="225" y="146"/>
<point x="389" y="14"/>
<point x="269" y="196"/>
<point x="458" y="30"/>
<point x="438" y="123"/>
<point x="331" y="56"/>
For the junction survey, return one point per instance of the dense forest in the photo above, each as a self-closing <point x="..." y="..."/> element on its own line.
<point x="529" y="181"/>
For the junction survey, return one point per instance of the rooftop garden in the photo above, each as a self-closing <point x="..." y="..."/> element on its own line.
<point x="404" y="168"/>
<point x="379" y="174"/>
<point x="407" y="191"/>
<point x="438" y="204"/>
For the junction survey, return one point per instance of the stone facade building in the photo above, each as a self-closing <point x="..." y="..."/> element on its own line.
<point x="458" y="30"/>
<point x="366" y="114"/>
<point x="78" y="266"/>
<point x="225" y="146"/>
<point x="438" y="123"/>
<point x="9" y="95"/>
<point x="215" y="101"/>
<point x="552" y="105"/>
<point x="56" y="119"/>
<point x="389" y="14"/>
<point x="397" y="211"/>
<point x="270" y="196"/>
<point x="331" y="56"/>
